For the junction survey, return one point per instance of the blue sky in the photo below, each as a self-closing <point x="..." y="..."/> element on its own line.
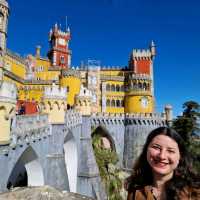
<point x="108" y="30"/>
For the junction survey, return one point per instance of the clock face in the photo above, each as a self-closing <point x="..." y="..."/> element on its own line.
<point x="144" y="102"/>
<point x="61" y="41"/>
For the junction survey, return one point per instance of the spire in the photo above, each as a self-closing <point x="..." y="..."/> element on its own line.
<point x="68" y="29"/>
<point x="153" y="49"/>
<point x="56" y="26"/>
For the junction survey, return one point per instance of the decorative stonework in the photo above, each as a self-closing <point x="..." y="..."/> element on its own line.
<point x="55" y="92"/>
<point x="8" y="92"/>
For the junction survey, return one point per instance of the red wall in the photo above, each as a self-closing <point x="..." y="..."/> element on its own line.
<point x="143" y="66"/>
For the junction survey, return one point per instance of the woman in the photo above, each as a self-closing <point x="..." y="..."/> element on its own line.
<point x="163" y="171"/>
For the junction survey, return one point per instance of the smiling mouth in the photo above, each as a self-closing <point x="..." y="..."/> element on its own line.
<point x="160" y="163"/>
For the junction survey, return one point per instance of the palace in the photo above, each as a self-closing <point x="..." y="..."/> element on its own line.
<point x="111" y="90"/>
<point x="50" y="112"/>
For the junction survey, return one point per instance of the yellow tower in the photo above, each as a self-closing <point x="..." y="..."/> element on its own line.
<point x="8" y="94"/>
<point x="139" y="95"/>
<point x="54" y="103"/>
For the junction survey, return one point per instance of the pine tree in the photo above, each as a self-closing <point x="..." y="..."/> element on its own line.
<point x="188" y="127"/>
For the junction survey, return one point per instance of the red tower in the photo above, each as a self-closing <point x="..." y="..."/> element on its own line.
<point x="141" y="60"/>
<point x="59" y="53"/>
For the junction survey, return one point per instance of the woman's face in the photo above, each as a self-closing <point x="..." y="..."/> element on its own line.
<point x="163" y="155"/>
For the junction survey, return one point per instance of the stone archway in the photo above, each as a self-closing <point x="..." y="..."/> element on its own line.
<point x="107" y="140"/>
<point x="27" y="171"/>
<point x="71" y="160"/>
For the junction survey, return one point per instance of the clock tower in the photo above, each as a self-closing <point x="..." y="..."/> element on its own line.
<point x="59" y="53"/>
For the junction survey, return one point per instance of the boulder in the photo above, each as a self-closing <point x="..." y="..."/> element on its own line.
<point x="40" y="193"/>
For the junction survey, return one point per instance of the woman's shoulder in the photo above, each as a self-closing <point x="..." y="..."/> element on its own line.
<point x="189" y="193"/>
<point x="140" y="193"/>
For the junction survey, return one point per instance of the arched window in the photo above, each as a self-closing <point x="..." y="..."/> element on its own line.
<point x="108" y="87"/>
<point x="112" y="87"/>
<point x="108" y="102"/>
<point x="122" y="103"/>
<point x="140" y="85"/>
<point x="113" y="103"/>
<point x="62" y="59"/>
<point x="118" y="103"/>
<point x="144" y="86"/>
<point x="117" y="88"/>
<point x="134" y="85"/>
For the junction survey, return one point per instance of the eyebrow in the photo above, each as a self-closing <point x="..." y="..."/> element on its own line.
<point x="171" y="148"/>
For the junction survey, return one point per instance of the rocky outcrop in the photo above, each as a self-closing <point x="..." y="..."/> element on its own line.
<point x="40" y="193"/>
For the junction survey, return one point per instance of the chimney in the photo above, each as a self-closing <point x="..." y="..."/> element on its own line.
<point x="37" y="54"/>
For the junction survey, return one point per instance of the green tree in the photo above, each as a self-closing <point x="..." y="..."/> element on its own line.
<point x="111" y="175"/>
<point x="188" y="126"/>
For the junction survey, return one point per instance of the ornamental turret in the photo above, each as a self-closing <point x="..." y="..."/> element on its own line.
<point x="59" y="53"/>
<point x="83" y="101"/>
<point x="54" y="103"/>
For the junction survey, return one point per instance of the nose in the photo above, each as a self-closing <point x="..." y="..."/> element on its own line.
<point x="162" y="154"/>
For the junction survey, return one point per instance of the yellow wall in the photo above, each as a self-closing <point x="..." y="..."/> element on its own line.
<point x="15" y="66"/>
<point x="112" y="72"/>
<point x="41" y="70"/>
<point x="74" y="85"/>
<point x="115" y="110"/>
<point x="133" y="104"/>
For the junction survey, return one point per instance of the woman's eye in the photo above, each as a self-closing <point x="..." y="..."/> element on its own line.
<point x="156" y="147"/>
<point x="171" y="151"/>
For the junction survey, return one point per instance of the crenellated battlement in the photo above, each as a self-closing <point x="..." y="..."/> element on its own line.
<point x="73" y="118"/>
<point x="29" y="128"/>
<point x="111" y="67"/>
<point x="59" y="32"/>
<point x="84" y="92"/>
<point x="141" y="54"/>
<point x="128" y="119"/>
<point x="55" y="92"/>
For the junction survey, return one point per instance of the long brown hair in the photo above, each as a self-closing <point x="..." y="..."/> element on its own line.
<point x="142" y="172"/>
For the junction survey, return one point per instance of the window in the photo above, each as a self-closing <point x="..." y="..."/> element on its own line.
<point x="113" y="103"/>
<point x="117" y="88"/>
<point x="108" y="102"/>
<point x="112" y="87"/>
<point x="62" y="59"/>
<point x="108" y="87"/>
<point x="118" y="103"/>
